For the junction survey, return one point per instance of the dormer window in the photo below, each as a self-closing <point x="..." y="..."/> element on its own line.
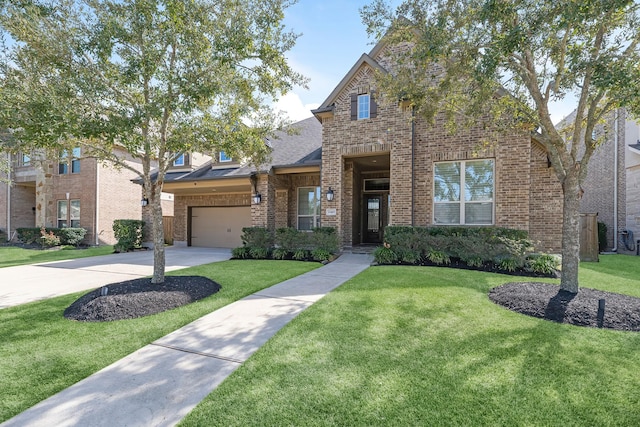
<point x="179" y="161"/>
<point x="363" y="106"/>
<point x="224" y="158"/>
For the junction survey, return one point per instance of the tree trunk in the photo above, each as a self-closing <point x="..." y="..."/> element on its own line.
<point x="570" y="233"/>
<point x="158" y="235"/>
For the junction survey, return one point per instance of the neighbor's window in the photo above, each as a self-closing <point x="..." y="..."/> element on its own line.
<point x="68" y="217"/>
<point x="62" y="213"/>
<point x="463" y="192"/>
<point x="179" y="161"/>
<point x="224" y="158"/>
<point x="74" y="214"/>
<point x="308" y="208"/>
<point x="69" y="162"/>
<point x="363" y="106"/>
<point x="25" y="159"/>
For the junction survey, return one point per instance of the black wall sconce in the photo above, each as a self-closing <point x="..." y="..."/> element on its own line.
<point x="329" y="194"/>
<point x="144" y="202"/>
<point x="257" y="198"/>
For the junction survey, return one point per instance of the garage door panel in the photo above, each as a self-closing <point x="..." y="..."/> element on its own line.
<point x="219" y="227"/>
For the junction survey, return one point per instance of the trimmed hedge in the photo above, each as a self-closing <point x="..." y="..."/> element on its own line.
<point x="129" y="234"/>
<point x="68" y="236"/>
<point x="491" y="248"/>
<point x="288" y="243"/>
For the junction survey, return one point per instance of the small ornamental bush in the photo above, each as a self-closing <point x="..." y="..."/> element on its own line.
<point x="241" y="252"/>
<point x="300" y="254"/>
<point x="67" y="236"/>
<point x="257" y="237"/>
<point x="259" y="253"/>
<point x="129" y="234"/>
<point x="71" y="236"/>
<point x="321" y="255"/>
<point x="280" y="253"/>
<point x="438" y="257"/>
<point x="385" y="255"/>
<point x="48" y="239"/>
<point x="542" y="263"/>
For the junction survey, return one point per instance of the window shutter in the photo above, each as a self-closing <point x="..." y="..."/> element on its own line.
<point x="354" y="106"/>
<point x="373" y="107"/>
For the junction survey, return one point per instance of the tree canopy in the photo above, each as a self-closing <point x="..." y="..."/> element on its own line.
<point x="513" y="59"/>
<point x="156" y="77"/>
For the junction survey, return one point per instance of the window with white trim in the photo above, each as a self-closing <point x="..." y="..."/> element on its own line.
<point x="464" y="192"/>
<point x="224" y="158"/>
<point x="363" y="106"/>
<point x="308" y="208"/>
<point x="179" y="161"/>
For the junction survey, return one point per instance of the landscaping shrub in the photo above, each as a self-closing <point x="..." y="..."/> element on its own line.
<point x="67" y="236"/>
<point x="257" y="237"/>
<point x="48" y="239"/>
<point x="129" y="234"/>
<point x="258" y="242"/>
<point x="241" y="252"/>
<point x="490" y="248"/>
<point x="71" y="236"/>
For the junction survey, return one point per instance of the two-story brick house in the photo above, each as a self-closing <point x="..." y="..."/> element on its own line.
<point x="612" y="186"/>
<point x="361" y="166"/>
<point x="72" y="191"/>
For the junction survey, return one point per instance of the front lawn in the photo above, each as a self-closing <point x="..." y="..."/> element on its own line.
<point x="12" y="255"/>
<point x="425" y="346"/>
<point x="42" y="353"/>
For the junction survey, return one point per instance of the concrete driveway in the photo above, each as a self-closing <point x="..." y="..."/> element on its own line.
<point x="26" y="283"/>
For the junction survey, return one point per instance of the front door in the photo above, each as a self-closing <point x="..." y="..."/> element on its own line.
<point x="374" y="214"/>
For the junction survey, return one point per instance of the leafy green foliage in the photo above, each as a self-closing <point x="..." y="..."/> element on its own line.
<point x="318" y="245"/>
<point x="602" y="236"/>
<point x="155" y="77"/>
<point x="542" y="263"/>
<point x="241" y="252"/>
<point x="384" y="255"/>
<point x="500" y="65"/>
<point x="129" y="234"/>
<point x="438" y="257"/>
<point x="48" y="239"/>
<point x="257" y="237"/>
<point x="67" y="236"/>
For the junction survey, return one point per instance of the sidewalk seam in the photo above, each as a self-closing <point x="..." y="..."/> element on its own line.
<point x="199" y="353"/>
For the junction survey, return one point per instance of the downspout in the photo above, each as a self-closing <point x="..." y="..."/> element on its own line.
<point x="9" y="198"/>
<point x="413" y="161"/>
<point x="615" y="183"/>
<point x="97" y="205"/>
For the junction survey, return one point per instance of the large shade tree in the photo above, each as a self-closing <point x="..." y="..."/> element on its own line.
<point x="154" y="77"/>
<point x="513" y="59"/>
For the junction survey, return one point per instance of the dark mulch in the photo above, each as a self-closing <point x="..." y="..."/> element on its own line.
<point x="139" y="298"/>
<point x="546" y="301"/>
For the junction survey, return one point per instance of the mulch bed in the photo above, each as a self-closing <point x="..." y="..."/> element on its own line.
<point x="546" y="301"/>
<point x="139" y="298"/>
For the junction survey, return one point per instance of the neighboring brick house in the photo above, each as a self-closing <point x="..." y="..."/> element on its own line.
<point x="80" y="192"/>
<point x="376" y="167"/>
<point x="612" y="186"/>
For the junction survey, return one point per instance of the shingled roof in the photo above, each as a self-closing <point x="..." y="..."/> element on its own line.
<point x="303" y="147"/>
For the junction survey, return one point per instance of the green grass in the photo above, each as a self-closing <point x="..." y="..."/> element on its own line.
<point x="42" y="353"/>
<point x="11" y="255"/>
<point x="425" y="346"/>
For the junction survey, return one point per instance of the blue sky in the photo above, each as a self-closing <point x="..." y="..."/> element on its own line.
<point x="333" y="38"/>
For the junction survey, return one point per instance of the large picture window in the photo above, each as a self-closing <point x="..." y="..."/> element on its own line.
<point x="308" y="208"/>
<point x="463" y="192"/>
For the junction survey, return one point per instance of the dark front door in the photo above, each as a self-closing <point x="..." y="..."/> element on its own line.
<point x="374" y="213"/>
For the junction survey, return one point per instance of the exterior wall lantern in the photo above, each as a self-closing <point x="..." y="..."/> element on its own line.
<point x="257" y="198"/>
<point x="144" y="202"/>
<point x="329" y="194"/>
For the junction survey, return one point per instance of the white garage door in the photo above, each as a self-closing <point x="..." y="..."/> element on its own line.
<point x="219" y="227"/>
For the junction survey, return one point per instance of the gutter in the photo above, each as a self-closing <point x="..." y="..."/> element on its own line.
<point x="615" y="184"/>
<point x="413" y="161"/>
<point x="9" y="198"/>
<point x="97" y="212"/>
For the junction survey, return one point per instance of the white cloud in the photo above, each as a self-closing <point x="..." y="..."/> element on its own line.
<point x="292" y="105"/>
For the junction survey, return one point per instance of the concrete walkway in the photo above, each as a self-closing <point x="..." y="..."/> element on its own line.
<point x="160" y="383"/>
<point x="26" y="283"/>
